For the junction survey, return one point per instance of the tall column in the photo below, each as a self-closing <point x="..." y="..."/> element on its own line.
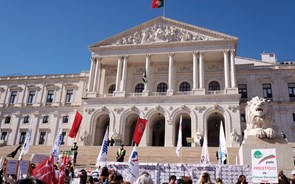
<point x="91" y="73"/>
<point x="226" y="69"/>
<point x="170" y="75"/>
<point x="124" y="74"/>
<point x="202" y="70"/>
<point x="233" y="69"/>
<point x="119" y="68"/>
<point x="195" y="71"/>
<point x="147" y="70"/>
<point x="97" y="74"/>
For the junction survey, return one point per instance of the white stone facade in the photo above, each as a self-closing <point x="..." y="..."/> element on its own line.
<point x="190" y="72"/>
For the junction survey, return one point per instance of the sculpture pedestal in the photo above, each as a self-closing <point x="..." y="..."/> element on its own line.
<point x="283" y="151"/>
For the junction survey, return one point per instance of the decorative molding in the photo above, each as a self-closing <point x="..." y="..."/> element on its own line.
<point x="89" y="110"/>
<point x="118" y="109"/>
<point x="200" y="108"/>
<point x="233" y="108"/>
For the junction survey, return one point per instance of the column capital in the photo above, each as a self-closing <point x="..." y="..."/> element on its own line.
<point x="148" y="56"/>
<point x="120" y="57"/>
<point x="225" y="51"/>
<point x="195" y="53"/>
<point x="201" y="53"/>
<point x="233" y="51"/>
<point x="171" y="54"/>
<point x="126" y="57"/>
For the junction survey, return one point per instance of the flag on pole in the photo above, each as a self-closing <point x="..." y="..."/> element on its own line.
<point x="139" y="130"/>
<point x="205" y="153"/>
<point x="222" y="152"/>
<point x="26" y="145"/>
<point x="144" y="77"/>
<point x="61" y="175"/>
<point x="13" y="153"/>
<point x="179" y="140"/>
<point x="56" y="147"/>
<point x="76" y="124"/>
<point x="158" y="3"/>
<point x="133" y="166"/>
<point x="45" y="171"/>
<point x="102" y="156"/>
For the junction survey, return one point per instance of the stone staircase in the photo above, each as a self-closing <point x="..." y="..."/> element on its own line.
<point x="87" y="154"/>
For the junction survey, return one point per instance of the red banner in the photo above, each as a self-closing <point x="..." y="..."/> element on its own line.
<point x="139" y="129"/>
<point x="45" y="171"/>
<point x="62" y="174"/>
<point x="76" y="125"/>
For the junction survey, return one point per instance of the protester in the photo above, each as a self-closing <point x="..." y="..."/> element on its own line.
<point x="282" y="178"/>
<point x="187" y="179"/>
<point x="292" y="179"/>
<point x="75" y="150"/>
<point x="218" y="181"/>
<point x="89" y="180"/>
<point x="121" y="153"/>
<point x="204" y="178"/>
<point x="104" y="174"/>
<point x="172" y="179"/>
<point x="29" y="181"/>
<point x="144" y="178"/>
<point x="242" y="180"/>
<point x="83" y="176"/>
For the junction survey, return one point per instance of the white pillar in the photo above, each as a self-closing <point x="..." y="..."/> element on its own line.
<point x="91" y="73"/>
<point x="201" y="68"/>
<point x="147" y="70"/>
<point x="195" y="71"/>
<point x="233" y="69"/>
<point x="97" y="74"/>
<point x="124" y="74"/>
<point x="226" y="69"/>
<point x="170" y="75"/>
<point x="119" y="68"/>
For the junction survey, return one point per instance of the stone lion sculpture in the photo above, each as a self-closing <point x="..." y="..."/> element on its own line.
<point x="259" y="118"/>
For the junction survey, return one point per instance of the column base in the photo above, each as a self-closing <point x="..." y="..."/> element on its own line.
<point x="119" y="93"/>
<point x="91" y="94"/>
<point x="198" y="91"/>
<point x="145" y="93"/>
<point x="170" y="92"/>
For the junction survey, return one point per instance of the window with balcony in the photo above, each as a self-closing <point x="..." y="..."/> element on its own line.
<point x="267" y="92"/>
<point x="184" y="86"/>
<point x="69" y="95"/>
<point x="22" y="137"/>
<point x="162" y="87"/>
<point x="45" y="119"/>
<point x="65" y="119"/>
<point x="31" y="97"/>
<point x="139" y="88"/>
<point x="50" y="94"/>
<point x="12" y="98"/>
<point x="42" y="137"/>
<point x="7" y="119"/>
<point x="4" y="136"/>
<point x="291" y="89"/>
<point x="243" y="91"/>
<point x="26" y="119"/>
<point x="112" y="88"/>
<point x="214" y="86"/>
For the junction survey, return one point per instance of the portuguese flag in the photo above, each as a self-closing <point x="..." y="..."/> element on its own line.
<point x="158" y="3"/>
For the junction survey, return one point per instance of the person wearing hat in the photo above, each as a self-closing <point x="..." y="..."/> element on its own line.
<point x="292" y="180"/>
<point x="121" y="153"/>
<point x="75" y="150"/>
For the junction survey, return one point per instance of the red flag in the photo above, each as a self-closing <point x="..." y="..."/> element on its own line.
<point x="76" y="125"/>
<point x="139" y="129"/>
<point x="157" y="3"/>
<point x="61" y="176"/>
<point x="45" y="171"/>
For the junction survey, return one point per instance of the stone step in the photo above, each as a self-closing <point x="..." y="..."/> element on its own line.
<point x="87" y="154"/>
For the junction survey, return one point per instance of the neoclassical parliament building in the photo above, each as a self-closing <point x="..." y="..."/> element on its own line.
<point x="188" y="71"/>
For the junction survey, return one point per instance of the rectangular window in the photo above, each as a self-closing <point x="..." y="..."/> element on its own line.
<point x="69" y="96"/>
<point x="22" y="137"/>
<point x="31" y="97"/>
<point x="7" y="119"/>
<point x="42" y="137"/>
<point x="291" y="89"/>
<point x="12" y="97"/>
<point x="4" y="136"/>
<point x="63" y="137"/>
<point x="45" y="119"/>
<point x="49" y="96"/>
<point x="243" y="90"/>
<point x="65" y="119"/>
<point x="243" y="118"/>
<point x="294" y="117"/>
<point x="26" y="119"/>
<point x="267" y="93"/>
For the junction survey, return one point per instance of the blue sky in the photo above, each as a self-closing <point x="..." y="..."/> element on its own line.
<point x="52" y="36"/>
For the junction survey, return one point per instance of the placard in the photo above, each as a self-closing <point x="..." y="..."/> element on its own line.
<point x="11" y="166"/>
<point x="24" y="168"/>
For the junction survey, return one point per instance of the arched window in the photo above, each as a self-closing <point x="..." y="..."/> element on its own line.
<point x="162" y="87"/>
<point x="112" y="88"/>
<point x="139" y="88"/>
<point x="184" y="86"/>
<point x="214" y="86"/>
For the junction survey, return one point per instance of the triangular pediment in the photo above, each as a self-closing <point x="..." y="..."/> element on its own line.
<point x="163" y="30"/>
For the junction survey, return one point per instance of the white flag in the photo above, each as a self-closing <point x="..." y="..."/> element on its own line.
<point x="222" y="153"/>
<point x="102" y="156"/>
<point x="133" y="167"/>
<point x="56" y="147"/>
<point x="205" y="154"/>
<point x="26" y="145"/>
<point x="179" y="140"/>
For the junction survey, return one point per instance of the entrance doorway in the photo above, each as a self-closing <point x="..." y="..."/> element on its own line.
<point x="213" y="128"/>
<point x="101" y="125"/>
